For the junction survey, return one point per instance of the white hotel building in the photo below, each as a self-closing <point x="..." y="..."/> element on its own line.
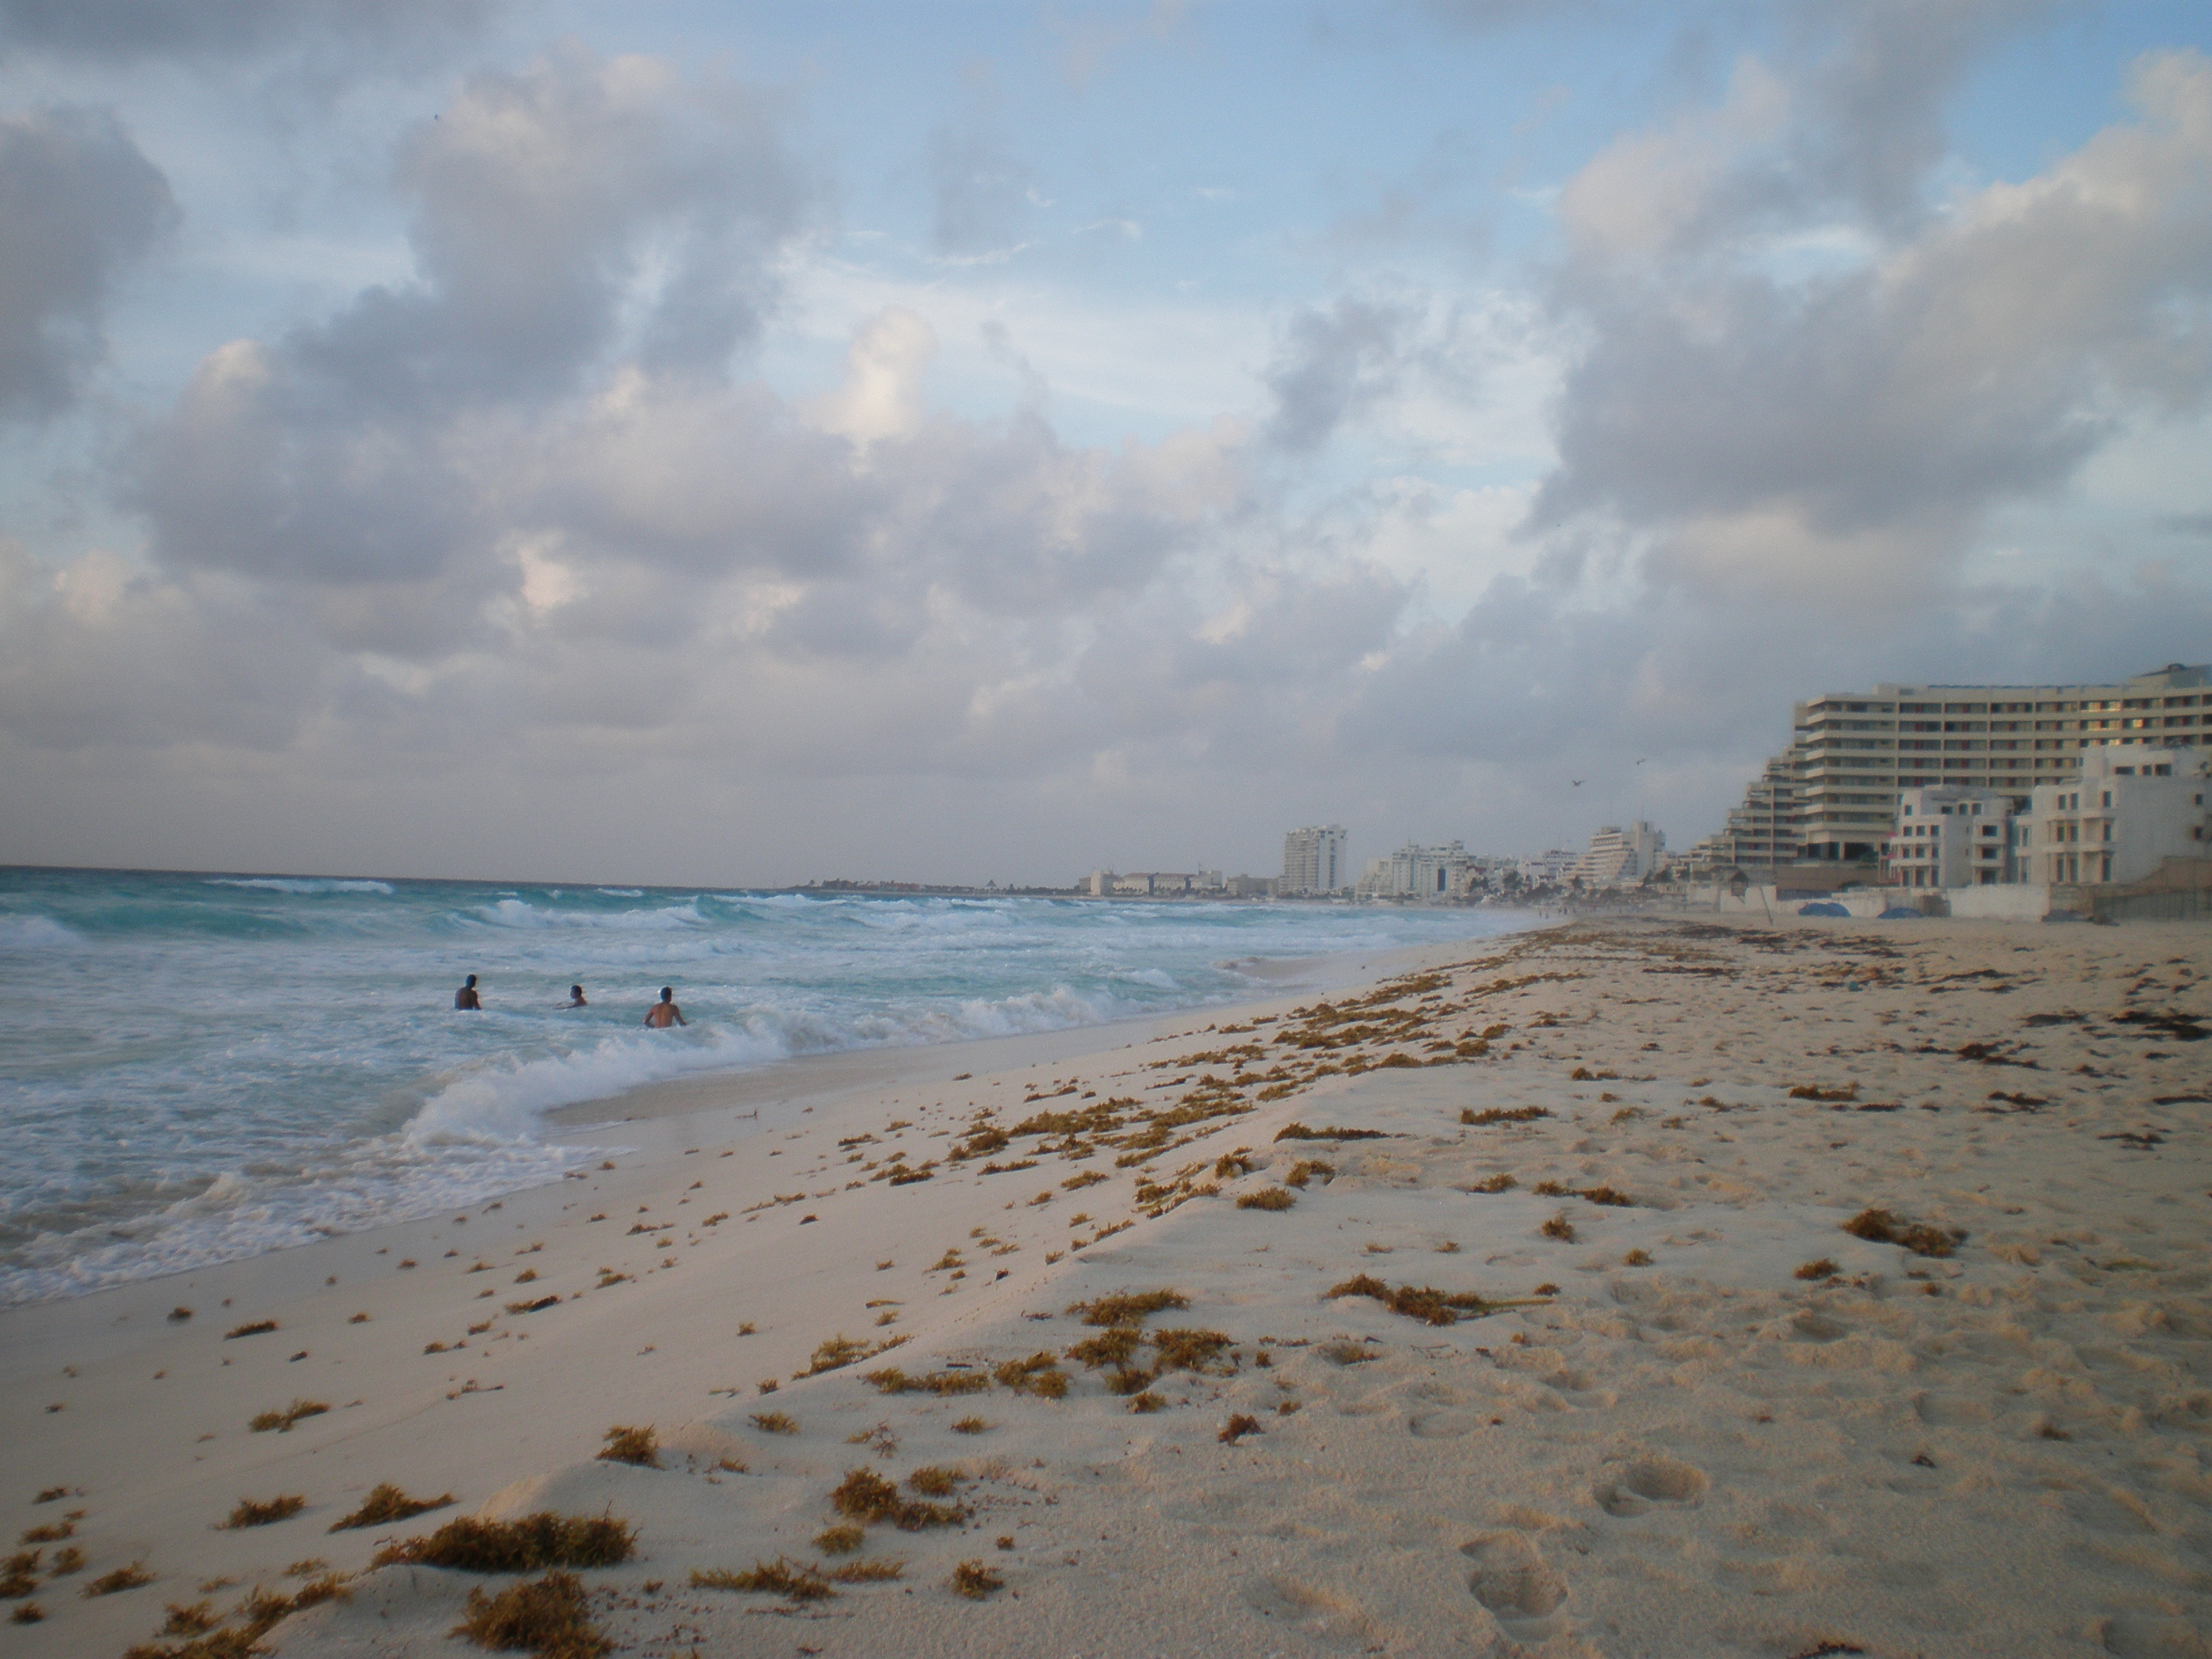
<point x="1444" y="870"/>
<point x="2116" y="821"/>
<point x="1618" y="857"/>
<point x="2126" y="813"/>
<point x="1313" y="860"/>
<point x="1953" y="837"/>
<point x="1835" y="792"/>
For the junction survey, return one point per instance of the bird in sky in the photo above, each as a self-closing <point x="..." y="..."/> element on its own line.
<point x="1577" y="782"/>
<point x="1641" y="762"/>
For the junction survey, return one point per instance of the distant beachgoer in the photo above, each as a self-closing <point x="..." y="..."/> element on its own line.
<point x="467" y="996"/>
<point x="664" y="1013"/>
<point x="576" y="997"/>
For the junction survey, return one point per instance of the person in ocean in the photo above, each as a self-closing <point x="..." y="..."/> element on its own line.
<point x="576" y="997"/>
<point x="664" y="1013"/>
<point x="467" y="996"/>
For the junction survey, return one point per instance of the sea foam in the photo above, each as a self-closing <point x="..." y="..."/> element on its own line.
<point x="206" y="1067"/>
<point x="302" y="884"/>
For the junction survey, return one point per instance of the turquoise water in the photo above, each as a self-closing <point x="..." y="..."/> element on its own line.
<point x="195" y="1068"/>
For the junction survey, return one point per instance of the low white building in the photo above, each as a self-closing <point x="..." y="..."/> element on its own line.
<point x="1618" y="856"/>
<point x="1418" y="872"/>
<point x="1549" y="869"/>
<point x="1153" y="883"/>
<point x="2127" y="811"/>
<point x="1953" y="835"/>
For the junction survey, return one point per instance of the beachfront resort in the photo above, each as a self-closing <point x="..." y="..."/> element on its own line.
<point x="1912" y="792"/>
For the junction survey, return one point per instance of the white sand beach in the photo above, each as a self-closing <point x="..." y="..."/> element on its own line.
<point x="1678" y="1408"/>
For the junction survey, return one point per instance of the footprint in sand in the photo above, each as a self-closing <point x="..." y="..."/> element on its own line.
<point x="1574" y="1389"/>
<point x="2142" y="1636"/>
<point x="1442" y="1425"/>
<point x="1649" y="1481"/>
<point x="1332" y="1621"/>
<point x="1513" y="1582"/>
<point x="1810" y="1326"/>
<point x="1951" y="1410"/>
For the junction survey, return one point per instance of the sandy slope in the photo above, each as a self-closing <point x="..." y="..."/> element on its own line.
<point x="1680" y="1446"/>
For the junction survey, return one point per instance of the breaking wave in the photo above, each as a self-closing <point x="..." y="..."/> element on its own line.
<point x="278" y="1058"/>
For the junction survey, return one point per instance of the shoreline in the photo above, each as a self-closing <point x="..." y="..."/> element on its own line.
<point x="820" y="1078"/>
<point x="1662" y="1376"/>
<point x="727" y="1107"/>
<point x="778" y="1088"/>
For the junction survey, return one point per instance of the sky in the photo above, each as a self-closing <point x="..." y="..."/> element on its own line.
<point x="749" y="444"/>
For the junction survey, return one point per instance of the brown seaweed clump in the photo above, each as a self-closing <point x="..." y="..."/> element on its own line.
<point x="1040" y="1375"/>
<point x="1424" y="1303"/>
<point x="975" y="1581"/>
<point x="1879" y="1227"/>
<point x="793" y="1579"/>
<point x="123" y="1578"/>
<point x="1128" y="1307"/>
<point x="265" y="1512"/>
<point x="865" y="1496"/>
<point x="546" y="1539"/>
<point x="281" y="1421"/>
<point x="260" y="1613"/>
<point x="640" y="1446"/>
<point x="891" y="1380"/>
<point x="385" y="1504"/>
<point x="1502" y="1115"/>
<point x="551" y="1616"/>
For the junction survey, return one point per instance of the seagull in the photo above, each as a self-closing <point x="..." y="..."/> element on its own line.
<point x="1641" y="762"/>
<point x="1577" y="782"/>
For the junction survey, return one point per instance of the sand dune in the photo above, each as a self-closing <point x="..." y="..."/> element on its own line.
<point x="1665" y="1403"/>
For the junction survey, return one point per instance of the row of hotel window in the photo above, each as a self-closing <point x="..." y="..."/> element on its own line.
<point x="2089" y="706"/>
<point x="1816" y="745"/>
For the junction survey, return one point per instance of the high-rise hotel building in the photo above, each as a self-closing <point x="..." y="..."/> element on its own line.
<point x="1833" y="792"/>
<point x="1313" y="859"/>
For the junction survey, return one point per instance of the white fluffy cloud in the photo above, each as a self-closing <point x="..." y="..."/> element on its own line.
<point x="1844" y="436"/>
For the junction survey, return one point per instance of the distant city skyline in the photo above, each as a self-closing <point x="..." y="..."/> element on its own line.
<point x="673" y="443"/>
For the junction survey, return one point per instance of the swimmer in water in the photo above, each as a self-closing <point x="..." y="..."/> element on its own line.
<point x="576" y="997"/>
<point x="467" y="996"/>
<point x="664" y="1013"/>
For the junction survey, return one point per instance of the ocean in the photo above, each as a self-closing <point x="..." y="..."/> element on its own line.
<point x="195" y="1068"/>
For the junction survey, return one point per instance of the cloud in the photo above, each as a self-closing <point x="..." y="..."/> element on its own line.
<point x="1844" y="125"/>
<point x="1480" y="16"/>
<point x="982" y="189"/>
<point x="97" y="653"/>
<point x="577" y="214"/>
<point x="525" y="542"/>
<point x="1874" y="91"/>
<point x="1090" y="45"/>
<point x="129" y="30"/>
<point x="549" y="202"/>
<point x="1843" y="436"/>
<point x="882" y="393"/>
<point x="81" y="205"/>
<point x="1650" y="194"/>
<point x="1332" y="365"/>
